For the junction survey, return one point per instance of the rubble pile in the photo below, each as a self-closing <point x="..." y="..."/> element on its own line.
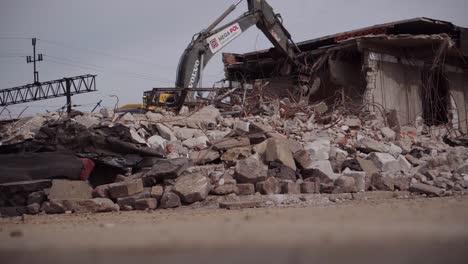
<point x="103" y="162"/>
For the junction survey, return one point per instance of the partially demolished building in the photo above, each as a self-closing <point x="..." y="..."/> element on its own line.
<point x="418" y="67"/>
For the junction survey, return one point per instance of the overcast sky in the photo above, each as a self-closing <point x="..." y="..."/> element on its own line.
<point x="135" y="45"/>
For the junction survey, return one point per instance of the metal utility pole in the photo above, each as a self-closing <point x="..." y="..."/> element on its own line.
<point x="33" y="60"/>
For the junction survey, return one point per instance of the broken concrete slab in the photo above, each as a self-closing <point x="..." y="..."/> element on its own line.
<point x="170" y="200"/>
<point x="359" y="178"/>
<point x="25" y="186"/>
<point x="225" y="189"/>
<point x="146" y="204"/>
<point x="388" y="133"/>
<point x="322" y="170"/>
<point x="192" y="188"/>
<point x="125" y="189"/>
<point x="130" y="201"/>
<point x="278" y="151"/>
<point x="250" y="170"/>
<point x="157" y="143"/>
<point x="207" y="117"/>
<point x="384" y="161"/>
<point x="166" y="132"/>
<point x="405" y="165"/>
<point x="241" y="128"/>
<point x="96" y="205"/>
<point x="168" y="169"/>
<point x="236" y="154"/>
<point x="367" y="145"/>
<point x="269" y="186"/>
<point x="204" y="156"/>
<point x="245" y="189"/>
<point x="422" y="188"/>
<point x="229" y="143"/>
<point x="308" y="187"/>
<point x="382" y="182"/>
<point x="183" y="133"/>
<point x="198" y="142"/>
<point x="319" y="149"/>
<point x="290" y="188"/>
<point x="64" y="189"/>
<point x="157" y="192"/>
<point x="345" y="184"/>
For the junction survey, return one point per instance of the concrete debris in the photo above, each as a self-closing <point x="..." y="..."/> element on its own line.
<point x="277" y="150"/>
<point x="63" y="189"/>
<point x="170" y="200"/>
<point x="384" y="161"/>
<point x="245" y="189"/>
<point x="161" y="160"/>
<point x="124" y="189"/>
<point x="146" y="204"/>
<point x="192" y="188"/>
<point x="269" y="186"/>
<point x="319" y="149"/>
<point x="250" y="170"/>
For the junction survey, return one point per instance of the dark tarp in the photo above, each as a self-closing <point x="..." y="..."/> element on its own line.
<point x="38" y="166"/>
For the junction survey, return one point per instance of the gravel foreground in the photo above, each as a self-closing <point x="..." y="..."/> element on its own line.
<point x="418" y="230"/>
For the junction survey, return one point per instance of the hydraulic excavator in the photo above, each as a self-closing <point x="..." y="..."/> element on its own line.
<point x="211" y="40"/>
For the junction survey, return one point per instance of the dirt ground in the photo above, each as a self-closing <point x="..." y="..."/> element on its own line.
<point x="388" y="231"/>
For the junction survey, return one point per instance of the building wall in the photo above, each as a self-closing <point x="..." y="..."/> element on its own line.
<point x="396" y="85"/>
<point x="459" y="91"/>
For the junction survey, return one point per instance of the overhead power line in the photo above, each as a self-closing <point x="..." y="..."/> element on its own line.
<point x="106" y="54"/>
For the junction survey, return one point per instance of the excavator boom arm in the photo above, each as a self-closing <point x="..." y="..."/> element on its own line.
<point x="206" y="44"/>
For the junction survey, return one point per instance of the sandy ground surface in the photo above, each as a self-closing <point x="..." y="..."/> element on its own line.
<point x="388" y="231"/>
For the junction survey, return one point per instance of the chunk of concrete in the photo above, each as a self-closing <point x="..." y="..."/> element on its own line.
<point x="250" y="170"/>
<point x="422" y="188"/>
<point x="170" y="200"/>
<point x="388" y="133"/>
<point x="319" y="149"/>
<point x="168" y="169"/>
<point x="367" y="145"/>
<point x="382" y="182"/>
<point x="241" y="128"/>
<point x="290" y="188"/>
<point x="308" y="187"/>
<point x="236" y="154"/>
<point x="66" y="190"/>
<point x="384" y="161"/>
<point x="183" y="133"/>
<point x="269" y="186"/>
<point x="158" y="143"/>
<point x="225" y="189"/>
<point x="345" y="184"/>
<point x="404" y="163"/>
<point x="192" y="188"/>
<point x="157" y="192"/>
<point x="322" y="170"/>
<point x="166" y="132"/>
<point x="245" y="189"/>
<point x="96" y="205"/>
<point x="124" y="189"/>
<point x="199" y="142"/>
<point x="204" y="156"/>
<point x="146" y="204"/>
<point x="228" y="143"/>
<point x="278" y="151"/>
<point x="359" y="178"/>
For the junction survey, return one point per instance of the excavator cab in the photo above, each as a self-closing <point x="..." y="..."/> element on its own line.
<point x="160" y="97"/>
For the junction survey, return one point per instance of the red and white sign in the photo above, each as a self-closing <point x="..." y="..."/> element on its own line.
<point x="223" y="37"/>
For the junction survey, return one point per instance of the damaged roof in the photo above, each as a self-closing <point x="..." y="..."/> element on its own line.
<point x="415" y="26"/>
